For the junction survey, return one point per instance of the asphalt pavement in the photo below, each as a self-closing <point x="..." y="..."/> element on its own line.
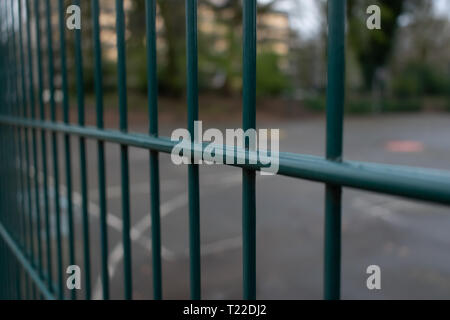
<point x="409" y="240"/>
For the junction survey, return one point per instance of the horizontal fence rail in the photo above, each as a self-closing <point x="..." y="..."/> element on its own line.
<point x="416" y="183"/>
<point x="27" y="255"/>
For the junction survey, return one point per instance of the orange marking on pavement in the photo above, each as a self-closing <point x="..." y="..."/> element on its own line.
<point x="404" y="146"/>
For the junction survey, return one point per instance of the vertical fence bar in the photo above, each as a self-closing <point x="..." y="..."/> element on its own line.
<point x="11" y="197"/>
<point x="10" y="152"/>
<point x="67" y="152"/>
<point x="17" y="141"/>
<point x="18" y="280"/>
<point x="122" y="83"/>
<point x="6" y="97"/>
<point x="43" y="144"/>
<point x="18" y="157"/>
<point x="3" y="137"/>
<point x="9" y="161"/>
<point x="2" y="128"/>
<point x="248" y="176"/>
<point x="154" y="155"/>
<point x="34" y="139"/>
<point x="335" y="110"/>
<point x="83" y="166"/>
<point x="3" y="158"/>
<point x="51" y="84"/>
<point x="193" y="169"/>
<point x="11" y="138"/>
<point x="29" y="217"/>
<point x="15" y="107"/>
<point x="9" y="107"/>
<point x="100" y="148"/>
<point x="2" y="252"/>
<point x="27" y="211"/>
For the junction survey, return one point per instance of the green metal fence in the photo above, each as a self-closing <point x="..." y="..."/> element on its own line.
<point x="26" y="258"/>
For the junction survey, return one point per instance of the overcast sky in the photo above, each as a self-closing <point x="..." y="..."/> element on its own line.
<point x="304" y="15"/>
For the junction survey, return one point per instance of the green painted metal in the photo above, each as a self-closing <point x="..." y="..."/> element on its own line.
<point x="335" y="111"/>
<point x="28" y="222"/>
<point x="20" y="178"/>
<point x="193" y="170"/>
<point x="25" y="263"/>
<point x="28" y="229"/>
<point x="67" y="144"/>
<point x="21" y="102"/>
<point x="100" y="149"/>
<point x="8" y="160"/>
<point x="248" y="175"/>
<point x="21" y="235"/>
<point x="3" y="99"/>
<point x="410" y="182"/>
<point x="123" y="124"/>
<point x="83" y="164"/>
<point x="16" y="141"/>
<point x="43" y="144"/>
<point x="32" y="115"/>
<point x="57" y="207"/>
<point x="150" y="8"/>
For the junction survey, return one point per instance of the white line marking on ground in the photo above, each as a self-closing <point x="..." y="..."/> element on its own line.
<point x="385" y="210"/>
<point x="138" y="230"/>
<point x="113" y="192"/>
<point x="221" y="246"/>
<point x="166" y="208"/>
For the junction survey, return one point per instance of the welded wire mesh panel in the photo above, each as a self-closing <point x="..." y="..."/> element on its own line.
<point x="37" y="173"/>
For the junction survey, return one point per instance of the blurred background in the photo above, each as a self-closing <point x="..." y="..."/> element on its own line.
<point x="402" y="67"/>
<point x="398" y="111"/>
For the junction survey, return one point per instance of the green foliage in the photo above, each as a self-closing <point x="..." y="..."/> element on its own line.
<point x="227" y="62"/>
<point x="316" y="104"/>
<point x="420" y="79"/>
<point x="137" y="69"/>
<point x="172" y="72"/>
<point x="401" y="105"/>
<point x="220" y="55"/>
<point x="364" y="105"/>
<point x="270" y="80"/>
<point x="373" y="47"/>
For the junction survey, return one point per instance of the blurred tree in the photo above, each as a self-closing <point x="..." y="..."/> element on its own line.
<point x="218" y="69"/>
<point x="420" y="66"/>
<point x="228" y="15"/>
<point x="136" y="22"/>
<point x="88" y="60"/>
<point x="172" y="63"/>
<point x="173" y="74"/>
<point x="270" y="81"/>
<point x="373" y="47"/>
